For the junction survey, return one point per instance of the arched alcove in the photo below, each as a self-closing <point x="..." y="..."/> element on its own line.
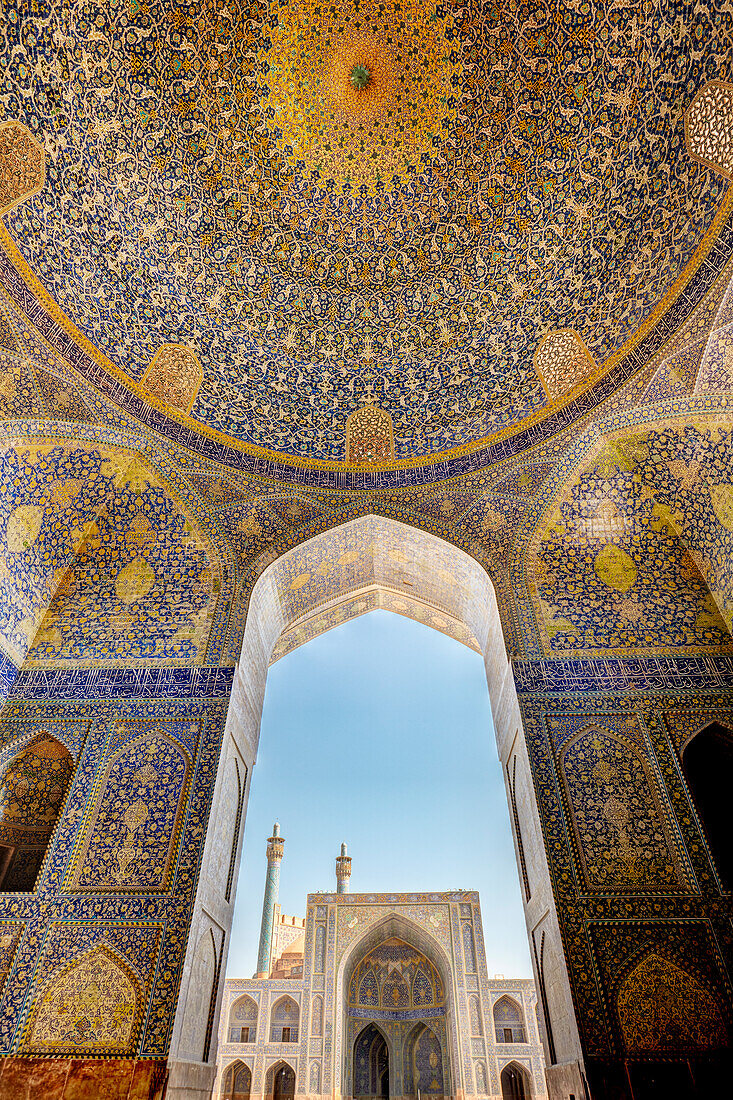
<point x="515" y="1082"/>
<point x="317" y="1015"/>
<point x="280" y="1081"/>
<point x="33" y="785"/>
<point x="197" y="1027"/>
<point x="707" y="761"/>
<point x="284" y="1021"/>
<point x="423" y="1059"/>
<point x="243" y="1021"/>
<point x="371" y="1065"/>
<point x="237" y="1082"/>
<point x="509" y="1021"/>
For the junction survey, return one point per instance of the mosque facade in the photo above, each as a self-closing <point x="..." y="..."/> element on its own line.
<point x="377" y="995"/>
<point x="308" y="309"/>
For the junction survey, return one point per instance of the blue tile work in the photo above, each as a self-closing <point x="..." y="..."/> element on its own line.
<point x="412" y="309"/>
<point x="616" y="882"/>
<point x="555" y="422"/>
<point x="149" y="931"/>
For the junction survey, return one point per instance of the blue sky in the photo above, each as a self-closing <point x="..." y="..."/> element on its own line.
<point x="379" y="733"/>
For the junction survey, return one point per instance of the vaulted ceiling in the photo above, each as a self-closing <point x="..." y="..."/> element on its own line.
<point x="216" y="179"/>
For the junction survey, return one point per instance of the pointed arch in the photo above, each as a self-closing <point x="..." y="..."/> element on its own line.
<point x="509" y="1020"/>
<point x="317" y="1015"/>
<point x="243" y="1020"/>
<point x="618" y="820"/>
<point x="707" y="763"/>
<point x="280" y="1081"/>
<point x="284" y="1020"/>
<point x="372" y="1070"/>
<point x="397" y="926"/>
<point x="474" y="1014"/>
<point x="200" y="995"/>
<point x="469" y="950"/>
<point x="92" y="1004"/>
<point x="663" y="1007"/>
<point x="33" y="786"/>
<point x="516" y="1083"/>
<point x="131" y="839"/>
<point x="395" y="976"/>
<point x="237" y="1083"/>
<point x="423" y="1062"/>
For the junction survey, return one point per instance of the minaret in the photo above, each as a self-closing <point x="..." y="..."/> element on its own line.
<point x="275" y="848"/>
<point x="343" y="871"/>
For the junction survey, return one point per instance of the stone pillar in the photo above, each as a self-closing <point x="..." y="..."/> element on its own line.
<point x="343" y="871"/>
<point x="275" y="848"/>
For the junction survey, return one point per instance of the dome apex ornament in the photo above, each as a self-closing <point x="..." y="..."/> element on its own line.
<point x="360" y="77"/>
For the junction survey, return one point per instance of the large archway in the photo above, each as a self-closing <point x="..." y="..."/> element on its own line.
<point x="411" y="572"/>
<point x="396" y="971"/>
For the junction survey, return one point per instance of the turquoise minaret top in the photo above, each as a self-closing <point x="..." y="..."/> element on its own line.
<point x="343" y="871"/>
<point x="275" y="848"/>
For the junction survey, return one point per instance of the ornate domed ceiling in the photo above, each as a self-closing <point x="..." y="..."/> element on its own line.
<point x="387" y="202"/>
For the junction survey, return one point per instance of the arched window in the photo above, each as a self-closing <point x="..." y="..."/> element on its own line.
<point x="317" y="1016"/>
<point x="284" y="1021"/>
<point x="243" y="1021"/>
<point x="509" y="1021"/>
<point x="32" y="789"/>
<point x="708" y="766"/>
<point x="515" y="1082"/>
<point x="237" y="1082"/>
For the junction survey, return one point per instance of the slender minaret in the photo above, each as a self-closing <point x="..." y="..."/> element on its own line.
<point x="275" y="848"/>
<point x="343" y="871"/>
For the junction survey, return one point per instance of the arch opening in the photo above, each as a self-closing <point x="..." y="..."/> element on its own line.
<point x="515" y="1082"/>
<point x="33" y="786"/>
<point x="280" y="1082"/>
<point x="371" y="1065"/>
<point x="302" y="594"/>
<point x="237" y="1082"/>
<point x="707" y="761"/>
